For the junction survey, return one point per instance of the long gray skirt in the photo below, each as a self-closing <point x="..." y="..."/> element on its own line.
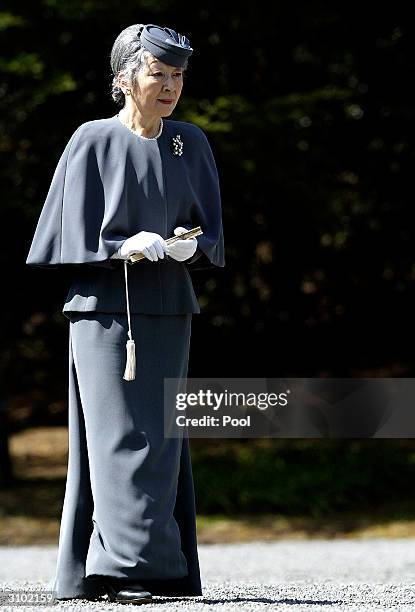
<point x="129" y="506"/>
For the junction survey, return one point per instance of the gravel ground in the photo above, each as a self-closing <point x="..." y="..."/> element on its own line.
<point x="287" y="575"/>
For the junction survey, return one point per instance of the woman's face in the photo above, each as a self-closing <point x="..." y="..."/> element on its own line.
<point x="157" y="81"/>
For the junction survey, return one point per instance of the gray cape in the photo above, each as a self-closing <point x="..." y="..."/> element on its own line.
<point x="110" y="184"/>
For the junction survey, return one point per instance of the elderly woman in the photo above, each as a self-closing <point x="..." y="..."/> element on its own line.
<point x="124" y="185"/>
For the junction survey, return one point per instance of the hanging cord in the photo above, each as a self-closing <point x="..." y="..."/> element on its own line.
<point x="130" y="366"/>
<point x="129" y="373"/>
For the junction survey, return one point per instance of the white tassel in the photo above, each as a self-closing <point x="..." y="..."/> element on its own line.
<point x="129" y="373"/>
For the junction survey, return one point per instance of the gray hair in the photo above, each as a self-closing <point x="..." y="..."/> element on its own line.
<point x="128" y="56"/>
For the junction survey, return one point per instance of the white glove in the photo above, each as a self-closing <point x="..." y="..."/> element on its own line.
<point x="181" y="249"/>
<point x="152" y="245"/>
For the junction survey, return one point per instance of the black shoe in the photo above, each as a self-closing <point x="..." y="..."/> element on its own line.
<point x="128" y="593"/>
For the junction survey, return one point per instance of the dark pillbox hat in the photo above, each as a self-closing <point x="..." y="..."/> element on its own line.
<point x="166" y="44"/>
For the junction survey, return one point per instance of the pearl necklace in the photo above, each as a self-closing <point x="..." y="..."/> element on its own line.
<point x="139" y="135"/>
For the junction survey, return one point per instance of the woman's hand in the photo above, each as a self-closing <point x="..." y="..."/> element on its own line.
<point x="181" y="249"/>
<point x="152" y="245"/>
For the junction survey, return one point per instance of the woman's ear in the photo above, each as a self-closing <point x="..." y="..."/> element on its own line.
<point x="122" y="81"/>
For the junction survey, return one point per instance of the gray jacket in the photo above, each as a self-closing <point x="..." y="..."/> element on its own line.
<point x="110" y="184"/>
